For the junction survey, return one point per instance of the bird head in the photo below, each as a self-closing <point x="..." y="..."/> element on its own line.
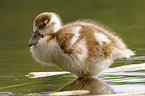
<point x="44" y="24"/>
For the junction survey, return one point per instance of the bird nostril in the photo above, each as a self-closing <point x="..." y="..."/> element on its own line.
<point x="35" y="36"/>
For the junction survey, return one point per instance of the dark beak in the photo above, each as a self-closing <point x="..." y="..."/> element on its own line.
<point x="35" y="38"/>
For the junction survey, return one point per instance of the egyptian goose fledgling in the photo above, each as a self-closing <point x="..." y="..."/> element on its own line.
<point x="83" y="48"/>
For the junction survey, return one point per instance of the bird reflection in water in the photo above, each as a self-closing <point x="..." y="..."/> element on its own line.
<point x="95" y="86"/>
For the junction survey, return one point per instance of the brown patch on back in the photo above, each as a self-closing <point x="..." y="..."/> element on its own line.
<point x="65" y="34"/>
<point x="106" y="49"/>
<point x="63" y="38"/>
<point x="87" y="32"/>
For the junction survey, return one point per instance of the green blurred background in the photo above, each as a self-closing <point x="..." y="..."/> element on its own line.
<point x="125" y="17"/>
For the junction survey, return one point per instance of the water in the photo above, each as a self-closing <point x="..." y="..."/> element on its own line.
<point x="126" y="18"/>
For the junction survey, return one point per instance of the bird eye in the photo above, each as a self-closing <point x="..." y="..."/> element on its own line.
<point x="44" y="24"/>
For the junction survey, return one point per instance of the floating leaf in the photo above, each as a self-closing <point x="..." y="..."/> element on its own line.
<point x="73" y="92"/>
<point x="44" y="74"/>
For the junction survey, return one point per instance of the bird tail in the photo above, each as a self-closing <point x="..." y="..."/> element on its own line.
<point x="121" y="53"/>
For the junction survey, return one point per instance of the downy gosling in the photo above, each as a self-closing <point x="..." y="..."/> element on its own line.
<point x="83" y="47"/>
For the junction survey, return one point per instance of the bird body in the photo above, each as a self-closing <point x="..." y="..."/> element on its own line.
<point x="82" y="47"/>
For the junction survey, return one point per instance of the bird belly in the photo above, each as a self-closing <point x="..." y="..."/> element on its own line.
<point x="50" y="52"/>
